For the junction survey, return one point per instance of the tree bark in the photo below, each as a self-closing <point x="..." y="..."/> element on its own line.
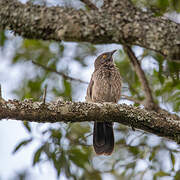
<point x="160" y="124"/>
<point x="119" y="22"/>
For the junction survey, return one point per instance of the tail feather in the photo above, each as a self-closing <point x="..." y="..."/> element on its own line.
<point x="109" y="136"/>
<point x="103" y="138"/>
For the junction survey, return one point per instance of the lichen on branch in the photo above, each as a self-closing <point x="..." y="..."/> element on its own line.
<point x="61" y="111"/>
<point x="119" y="22"/>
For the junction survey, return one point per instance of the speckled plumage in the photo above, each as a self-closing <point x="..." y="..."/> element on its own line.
<point x="105" y="86"/>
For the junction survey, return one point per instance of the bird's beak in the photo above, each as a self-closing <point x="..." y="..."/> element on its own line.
<point x="113" y="52"/>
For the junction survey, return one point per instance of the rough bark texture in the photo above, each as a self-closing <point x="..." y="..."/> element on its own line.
<point x="117" y="22"/>
<point x="156" y="123"/>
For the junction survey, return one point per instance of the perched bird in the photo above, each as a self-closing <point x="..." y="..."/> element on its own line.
<point x="105" y="86"/>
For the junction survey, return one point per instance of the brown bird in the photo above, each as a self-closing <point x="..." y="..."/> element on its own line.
<point x="105" y="86"/>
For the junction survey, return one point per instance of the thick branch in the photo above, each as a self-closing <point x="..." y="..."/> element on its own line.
<point x="120" y="23"/>
<point x="152" y="122"/>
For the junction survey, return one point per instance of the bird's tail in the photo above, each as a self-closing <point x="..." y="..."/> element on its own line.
<point x="103" y="138"/>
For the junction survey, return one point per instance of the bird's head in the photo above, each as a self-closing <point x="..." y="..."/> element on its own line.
<point x="104" y="59"/>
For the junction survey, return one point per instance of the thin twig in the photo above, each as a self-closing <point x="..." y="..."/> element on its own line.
<point x="59" y="73"/>
<point x="44" y="94"/>
<point x="136" y="137"/>
<point x="90" y="134"/>
<point x="149" y="103"/>
<point x="131" y="99"/>
<point x="89" y="4"/>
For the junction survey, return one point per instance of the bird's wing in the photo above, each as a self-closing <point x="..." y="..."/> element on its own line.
<point x="89" y="90"/>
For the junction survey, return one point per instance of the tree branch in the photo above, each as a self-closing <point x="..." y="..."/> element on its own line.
<point x="89" y="4"/>
<point x="120" y="23"/>
<point x="59" y="73"/>
<point x="131" y="99"/>
<point x="44" y="94"/>
<point x="61" y="111"/>
<point x="149" y="101"/>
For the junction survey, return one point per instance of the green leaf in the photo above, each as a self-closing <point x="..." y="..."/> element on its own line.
<point x="59" y="161"/>
<point x="177" y="176"/>
<point x="2" y="38"/>
<point x="151" y="157"/>
<point x="134" y="150"/>
<point x="56" y="135"/>
<point x="173" y="160"/>
<point x="163" y="4"/>
<point x="161" y="174"/>
<point x="78" y="129"/>
<point x="78" y="157"/>
<point x="176" y="5"/>
<point x="22" y="143"/>
<point x="37" y="155"/>
<point x="91" y="175"/>
<point x="27" y="126"/>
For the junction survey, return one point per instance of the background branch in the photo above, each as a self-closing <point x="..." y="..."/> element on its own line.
<point x="79" y="80"/>
<point x="44" y="94"/>
<point x="89" y="4"/>
<point x="59" y="73"/>
<point x="59" y="111"/>
<point x="131" y="99"/>
<point x="149" y="101"/>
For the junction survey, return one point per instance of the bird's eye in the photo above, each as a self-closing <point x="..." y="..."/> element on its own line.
<point x="104" y="56"/>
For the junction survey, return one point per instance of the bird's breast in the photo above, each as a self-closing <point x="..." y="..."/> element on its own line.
<point x="107" y="85"/>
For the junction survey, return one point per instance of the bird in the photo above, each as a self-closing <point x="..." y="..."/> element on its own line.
<point x="104" y="86"/>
